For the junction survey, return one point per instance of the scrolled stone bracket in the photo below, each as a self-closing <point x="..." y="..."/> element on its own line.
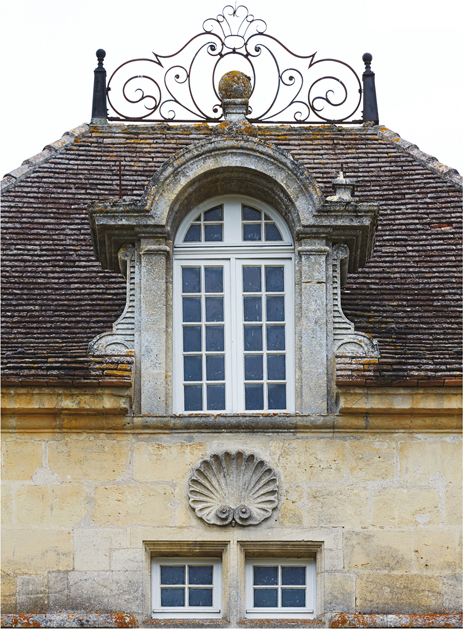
<point x="233" y="488"/>
<point x="121" y="340"/>
<point x="346" y="340"/>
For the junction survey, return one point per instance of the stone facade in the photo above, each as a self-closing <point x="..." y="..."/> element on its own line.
<point x="97" y="469"/>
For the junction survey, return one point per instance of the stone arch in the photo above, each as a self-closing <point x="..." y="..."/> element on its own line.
<point x="231" y="165"/>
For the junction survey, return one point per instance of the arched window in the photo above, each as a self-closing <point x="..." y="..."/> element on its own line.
<point x="233" y="309"/>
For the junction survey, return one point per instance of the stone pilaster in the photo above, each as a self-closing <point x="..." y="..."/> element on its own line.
<point x="314" y="346"/>
<point x="151" y="326"/>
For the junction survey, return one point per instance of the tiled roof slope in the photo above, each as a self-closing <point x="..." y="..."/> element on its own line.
<point x="57" y="298"/>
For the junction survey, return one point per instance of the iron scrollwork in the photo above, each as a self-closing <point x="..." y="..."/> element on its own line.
<point x="286" y="88"/>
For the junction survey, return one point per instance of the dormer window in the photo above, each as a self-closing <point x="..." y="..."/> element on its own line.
<point x="233" y="309"/>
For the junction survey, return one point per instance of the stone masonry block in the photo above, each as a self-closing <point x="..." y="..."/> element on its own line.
<point x="165" y="462"/>
<point x="435" y="551"/>
<point x="127" y="560"/>
<point x="7" y="504"/>
<point x="43" y="549"/>
<point x="100" y="460"/>
<point x="9" y="588"/>
<point x="453" y="505"/>
<point x="339" y="592"/>
<point x="418" y="461"/>
<point x="313" y="460"/>
<point x="335" y="506"/>
<point x="404" y="594"/>
<point x="58" y="590"/>
<point x="21" y="458"/>
<point x="106" y="591"/>
<point x="31" y="594"/>
<point x="371" y="460"/>
<point x="55" y="505"/>
<point x="92" y="547"/>
<point x="384" y="550"/>
<point x="402" y="507"/>
<point x="453" y="593"/>
<point x="133" y="505"/>
<point x="333" y="560"/>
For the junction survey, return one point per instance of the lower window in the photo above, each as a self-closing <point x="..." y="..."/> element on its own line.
<point x="186" y="587"/>
<point x="280" y="589"/>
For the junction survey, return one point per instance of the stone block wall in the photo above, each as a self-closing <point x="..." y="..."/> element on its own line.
<point x="79" y="508"/>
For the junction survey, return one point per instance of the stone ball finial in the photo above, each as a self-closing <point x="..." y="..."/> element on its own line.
<point x="235" y="85"/>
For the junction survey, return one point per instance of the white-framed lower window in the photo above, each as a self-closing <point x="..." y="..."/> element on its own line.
<point x="186" y="587"/>
<point x="277" y="588"/>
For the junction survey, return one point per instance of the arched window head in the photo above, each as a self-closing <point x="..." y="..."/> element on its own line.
<point x="232" y="220"/>
<point x="233" y="309"/>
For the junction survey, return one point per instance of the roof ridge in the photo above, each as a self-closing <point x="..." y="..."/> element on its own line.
<point x="47" y="152"/>
<point x="427" y="160"/>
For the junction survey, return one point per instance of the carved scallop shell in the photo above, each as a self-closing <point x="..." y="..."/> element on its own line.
<point x="233" y="487"/>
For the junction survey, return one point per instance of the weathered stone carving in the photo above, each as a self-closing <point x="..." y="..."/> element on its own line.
<point x="346" y="340"/>
<point x="121" y="339"/>
<point x="233" y="488"/>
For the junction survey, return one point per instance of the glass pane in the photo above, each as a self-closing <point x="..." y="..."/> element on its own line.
<point x="253" y="367"/>
<point x="213" y="232"/>
<point x="216" y="397"/>
<point x="293" y="575"/>
<point x="253" y="338"/>
<point x="274" y="279"/>
<point x="191" y="280"/>
<point x="213" y="279"/>
<point x="191" y="309"/>
<point x="265" y="576"/>
<point x="198" y="218"/>
<point x="275" y="308"/>
<point x="192" y="368"/>
<point x="214" y="214"/>
<point x="193" y="235"/>
<point x="275" y="337"/>
<point x="254" y="397"/>
<point x="251" y="279"/>
<point x="214" y="309"/>
<point x="214" y="339"/>
<point x="272" y="233"/>
<point x="192" y="339"/>
<point x="252" y="309"/>
<point x="172" y="597"/>
<point x="265" y="598"/>
<point x="276" y="369"/>
<point x="251" y="214"/>
<point x="200" y="575"/>
<point x="200" y="596"/>
<point x="252" y="232"/>
<point x="277" y="396"/>
<point x="173" y="575"/>
<point x="193" y="397"/>
<point x="267" y="218"/>
<point x="215" y="371"/>
<point x="293" y="597"/>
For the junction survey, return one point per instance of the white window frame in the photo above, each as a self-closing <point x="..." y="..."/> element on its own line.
<point x="186" y="612"/>
<point x="308" y="612"/>
<point x="232" y="254"/>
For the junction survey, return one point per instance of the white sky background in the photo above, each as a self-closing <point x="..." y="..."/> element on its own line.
<point x="48" y="57"/>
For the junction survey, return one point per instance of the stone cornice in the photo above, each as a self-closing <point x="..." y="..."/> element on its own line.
<point x="361" y="409"/>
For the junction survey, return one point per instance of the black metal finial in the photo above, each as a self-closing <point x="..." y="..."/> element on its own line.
<point x="370" y="106"/>
<point x="99" y="108"/>
<point x="367" y="59"/>
<point x="100" y="54"/>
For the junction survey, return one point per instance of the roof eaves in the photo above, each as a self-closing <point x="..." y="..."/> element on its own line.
<point x="49" y="151"/>
<point x="427" y="160"/>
